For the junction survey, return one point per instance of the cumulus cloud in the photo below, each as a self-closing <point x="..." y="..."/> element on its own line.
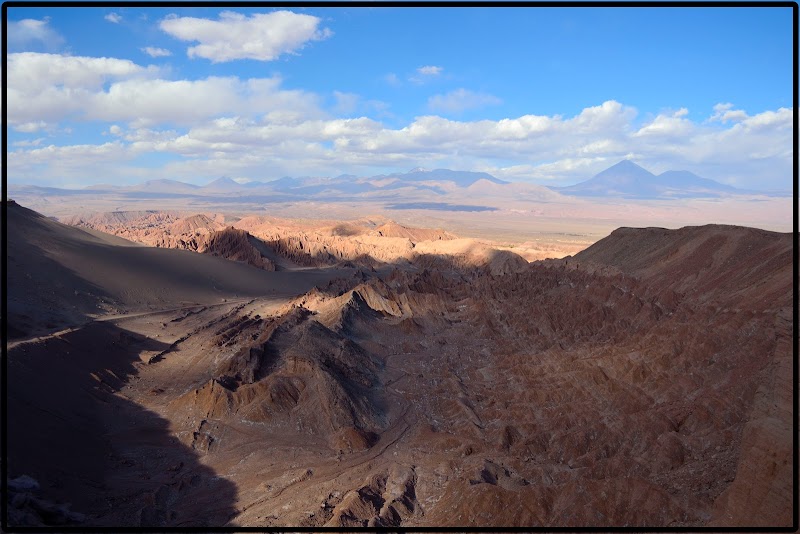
<point x="31" y="71"/>
<point x="49" y="87"/>
<point x="29" y="33"/>
<point x="57" y="162"/>
<point x="670" y="125"/>
<point x="461" y="100"/>
<point x="542" y="148"/>
<point x="68" y="166"/>
<point x="149" y="102"/>
<point x="32" y="127"/>
<point x="114" y="18"/>
<point x="156" y="52"/>
<point x="263" y="37"/>
<point x="724" y="112"/>
<point x="52" y="88"/>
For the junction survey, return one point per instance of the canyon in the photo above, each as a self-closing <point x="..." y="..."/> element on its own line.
<point x="179" y="369"/>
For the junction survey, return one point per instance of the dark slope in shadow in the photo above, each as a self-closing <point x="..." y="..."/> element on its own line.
<point x="114" y="461"/>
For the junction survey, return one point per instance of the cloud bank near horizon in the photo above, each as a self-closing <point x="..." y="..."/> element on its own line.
<point x="144" y="121"/>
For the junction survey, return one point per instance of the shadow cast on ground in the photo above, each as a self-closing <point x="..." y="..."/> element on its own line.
<point x="87" y="445"/>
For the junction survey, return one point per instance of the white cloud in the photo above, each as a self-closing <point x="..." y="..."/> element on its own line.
<point x="32" y="127"/>
<point x="782" y="119"/>
<point x="553" y="171"/>
<point x="262" y="37"/>
<point x="31" y="71"/>
<point x="430" y="70"/>
<point x="150" y="102"/>
<point x="141" y="137"/>
<point x="726" y="113"/>
<point x="670" y="125"/>
<point x="156" y="52"/>
<point x="461" y="100"/>
<point x="50" y="88"/>
<point x="69" y="166"/>
<point x="538" y="147"/>
<point x="610" y="116"/>
<point x="26" y="142"/>
<point x="61" y="161"/>
<point x="26" y="33"/>
<point x="245" y="144"/>
<point x="425" y="74"/>
<point x="113" y="17"/>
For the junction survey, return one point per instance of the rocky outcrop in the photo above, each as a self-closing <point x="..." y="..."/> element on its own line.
<point x="296" y="373"/>
<point x="366" y="242"/>
<point x="235" y="245"/>
<point x="28" y="508"/>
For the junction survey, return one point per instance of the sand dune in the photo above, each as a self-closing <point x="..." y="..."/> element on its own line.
<point x="60" y="275"/>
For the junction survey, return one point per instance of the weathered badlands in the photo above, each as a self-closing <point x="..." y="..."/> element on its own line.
<point x="186" y="370"/>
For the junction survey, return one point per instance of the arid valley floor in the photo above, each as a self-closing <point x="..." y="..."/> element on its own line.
<point x="169" y="368"/>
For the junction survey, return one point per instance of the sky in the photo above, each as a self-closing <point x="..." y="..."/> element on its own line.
<point x="551" y="96"/>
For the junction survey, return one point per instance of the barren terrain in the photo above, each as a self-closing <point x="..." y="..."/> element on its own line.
<point x="366" y="372"/>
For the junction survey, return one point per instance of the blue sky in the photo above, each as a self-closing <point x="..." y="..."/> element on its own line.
<point x="543" y="95"/>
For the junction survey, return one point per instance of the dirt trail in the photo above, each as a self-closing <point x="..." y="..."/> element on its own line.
<point x="119" y="317"/>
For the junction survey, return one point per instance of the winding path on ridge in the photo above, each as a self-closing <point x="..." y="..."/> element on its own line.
<point x="118" y="317"/>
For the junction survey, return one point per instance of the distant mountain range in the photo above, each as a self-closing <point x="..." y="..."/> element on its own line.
<point x="439" y="189"/>
<point x="444" y="188"/>
<point x="628" y="180"/>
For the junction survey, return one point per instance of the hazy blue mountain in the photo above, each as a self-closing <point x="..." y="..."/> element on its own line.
<point x="460" y="178"/>
<point x="418" y="186"/>
<point x="623" y="180"/>
<point x="348" y="184"/>
<point x="689" y="180"/>
<point x="101" y="187"/>
<point x="46" y="191"/>
<point x="282" y="184"/>
<point x="223" y="184"/>
<point x="165" y="186"/>
<point x="629" y="180"/>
